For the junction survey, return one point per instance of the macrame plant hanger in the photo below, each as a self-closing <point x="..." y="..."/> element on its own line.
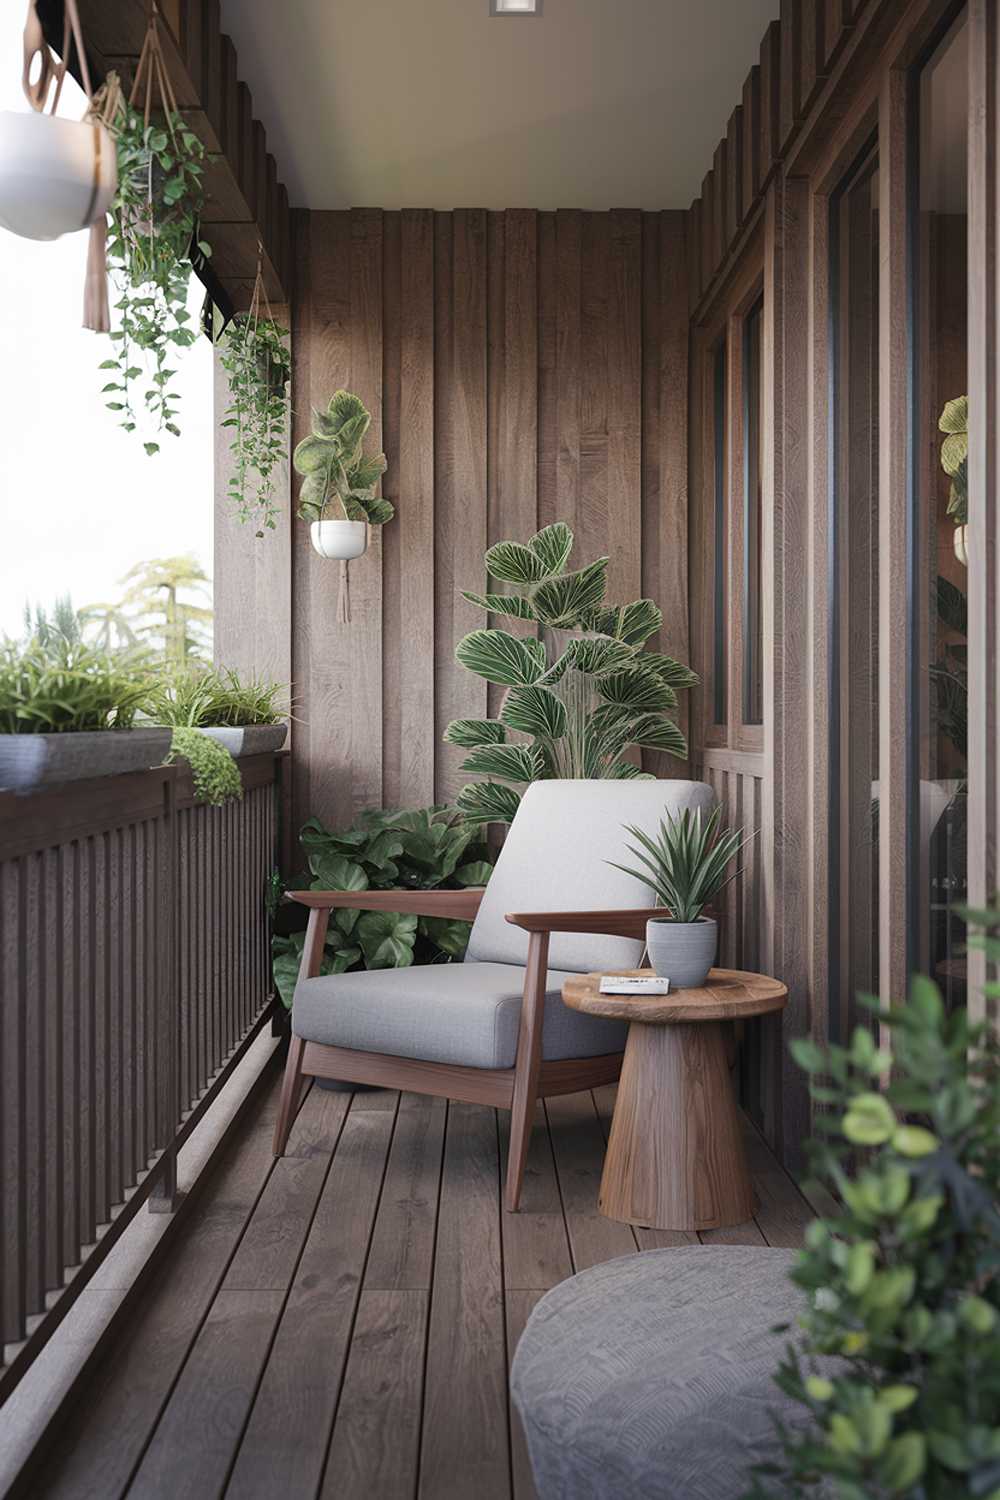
<point x="51" y="70"/>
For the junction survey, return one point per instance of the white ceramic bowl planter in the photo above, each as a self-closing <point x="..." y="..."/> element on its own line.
<point x="342" y="540"/>
<point x="56" y="176"/>
<point x="682" y="952"/>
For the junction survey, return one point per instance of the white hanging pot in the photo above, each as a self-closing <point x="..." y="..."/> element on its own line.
<point x="339" y="539"/>
<point x="56" y="176"/>
<point x="962" y="545"/>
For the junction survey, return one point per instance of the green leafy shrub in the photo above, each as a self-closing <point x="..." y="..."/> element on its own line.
<point x="58" y="685"/>
<point x="580" y="695"/>
<point x="430" y="849"/>
<point x="217" y="698"/>
<point x="215" y="774"/>
<point x="903" y="1282"/>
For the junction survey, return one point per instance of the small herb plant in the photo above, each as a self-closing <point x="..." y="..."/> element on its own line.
<point x="256" y="359"/>
<point x="903" y="1284"/>
<point x="337" y="475"/>
<point x="686" y="862"/>
<point x="214" y="772"/>
<point x="430" y="849"/>
<point x="154" y="217"/>
<point x="60" y="686"/>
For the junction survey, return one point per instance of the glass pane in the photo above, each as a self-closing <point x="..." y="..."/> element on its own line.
<point x="938" y="773"/>
<point x="753" y="620"/>
<point x="720" y="655"/>
<point x="853" y="526"/>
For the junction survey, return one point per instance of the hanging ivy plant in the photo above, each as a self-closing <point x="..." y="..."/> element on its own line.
<point x="257" y="362"/>
<point x="153" y="220"/>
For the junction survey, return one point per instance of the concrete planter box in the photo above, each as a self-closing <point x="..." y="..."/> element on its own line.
<point x="682" y="952"/>
<point x="249" y="739"/>
<point x="31" y="761"/>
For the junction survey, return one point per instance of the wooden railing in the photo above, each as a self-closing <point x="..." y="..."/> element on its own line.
<point x="133" y="969"/>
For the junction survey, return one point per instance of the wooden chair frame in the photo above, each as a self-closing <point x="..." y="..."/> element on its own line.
<point x="517" y="1088"/>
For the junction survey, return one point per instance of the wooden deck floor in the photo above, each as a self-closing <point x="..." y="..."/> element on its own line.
<point x="338" y="1323"/>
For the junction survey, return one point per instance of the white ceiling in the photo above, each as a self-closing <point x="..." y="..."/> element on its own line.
<point x="435" y="104"/>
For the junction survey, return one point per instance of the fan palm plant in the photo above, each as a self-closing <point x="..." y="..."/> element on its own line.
<point x="579" y="695"/>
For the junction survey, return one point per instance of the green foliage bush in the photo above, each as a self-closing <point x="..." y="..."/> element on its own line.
<point x="433" y="848"/>
<point x="903" y="1284"/>
<point x="56" y="685"/>
<point x="215" y="774"/>
<point x="580" y="695"/>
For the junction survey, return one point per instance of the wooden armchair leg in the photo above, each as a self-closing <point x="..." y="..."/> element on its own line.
<point x="291" y="1088"/>
<point x="527" y="1067"/>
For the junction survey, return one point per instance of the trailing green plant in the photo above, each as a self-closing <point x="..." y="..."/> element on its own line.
<point x="954" y="422"/>
<point x="579" y="696"/>
<point x="58" y="685"/>
<point x="336" y="472"/>
<point x="903" y="1282"/>
<point x="687" y="861"/>
<point x="209" y="697"/>
<point x="433" y="848"/>
<point x="257" y="361"/>
<point x="214" y="772"/>
<point x="153" y="221"/>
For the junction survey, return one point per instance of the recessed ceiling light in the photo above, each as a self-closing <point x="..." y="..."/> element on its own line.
<point x="515" y="7"/>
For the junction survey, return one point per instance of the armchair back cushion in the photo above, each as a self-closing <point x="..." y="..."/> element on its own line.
<point x="555" y="859"/>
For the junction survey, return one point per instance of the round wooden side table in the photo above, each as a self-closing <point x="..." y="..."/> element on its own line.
<point x="675" y="1157"/>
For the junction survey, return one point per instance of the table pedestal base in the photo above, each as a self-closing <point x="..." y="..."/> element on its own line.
<point x="675" y="1158"/>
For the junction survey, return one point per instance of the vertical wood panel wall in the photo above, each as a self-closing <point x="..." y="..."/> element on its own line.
<point x="522" y="368"/>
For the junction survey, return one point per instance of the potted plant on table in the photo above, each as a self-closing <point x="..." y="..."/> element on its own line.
<point x="687" y="865"/>
<point x="68" y="709"/>
<point x="338" y="496"/>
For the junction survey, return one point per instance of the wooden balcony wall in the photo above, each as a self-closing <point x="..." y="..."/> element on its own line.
<point x="135" y="963"/>
<point x="245" y="200"/>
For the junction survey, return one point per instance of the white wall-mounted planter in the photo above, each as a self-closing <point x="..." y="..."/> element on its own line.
<point x="342" y="540"/>
<point x="248" y="739"/>
<point x="48" y="171"/>
<point x="31" y="761"/>
<point x="962" y="545"/>
<point x="682" y="952"/>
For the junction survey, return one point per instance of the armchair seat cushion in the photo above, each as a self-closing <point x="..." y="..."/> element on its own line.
<point x="467" y="1014"/>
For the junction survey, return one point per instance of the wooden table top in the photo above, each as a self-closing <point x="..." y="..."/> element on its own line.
<point x="727" y="995"/>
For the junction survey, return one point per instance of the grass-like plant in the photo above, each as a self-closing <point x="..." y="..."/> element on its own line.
<point x="213" y="698"/>
<point x="214" y="772"/>
<point x="61" y="686"/>
<point x="903" y="1282"/>
<point x="579" y="694"/>
<point x="429" y="849"/>
<point x="686" y="862"/>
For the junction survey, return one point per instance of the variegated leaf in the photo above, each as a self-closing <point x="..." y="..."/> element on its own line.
<point x="561" y="602"/>
<point x="510" y="762"/>
<point x="501" y="604"/>
<point x="642" y="691"/>
<point x="488" y="802"/>
<point x="500" y="657"/>
<point x="470" y="732"/>
<point x="654" y="732"/>
<point x="534" y="711"/>
<point x="510" y="562"/>
<point x="553" y="544"/>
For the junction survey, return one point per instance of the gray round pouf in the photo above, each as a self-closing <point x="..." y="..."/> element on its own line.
<point x="652" y="1376"/>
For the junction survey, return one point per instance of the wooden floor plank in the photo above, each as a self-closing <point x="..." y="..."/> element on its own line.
<point x="536" y="1250"/>
<point x="93" y="1456"/>
<point x="465" y="1449"/>
<point x="578" y="1147"/>
<point x="376" y="1440"/>
<point x="196" y="1440"/>
<point x="285" y="1445"/>
<point x="520" y="1305"/>
<point x="402" y="1251"/>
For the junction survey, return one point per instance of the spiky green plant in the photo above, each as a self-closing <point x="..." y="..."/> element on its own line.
<point x="57" y="685"/>
<point x="686" y="862"/>
<point x="210" y="697"/>
<point x="579" y="695"/>
<point x="336" y="472"/>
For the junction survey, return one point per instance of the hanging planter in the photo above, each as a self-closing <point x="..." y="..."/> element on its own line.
<point x="256" y="359"/>
<point x="56" y="176"/>
<point x="338" y="477"/>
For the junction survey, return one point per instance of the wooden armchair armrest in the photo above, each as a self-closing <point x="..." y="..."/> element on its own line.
<point x="624" y="923"/>
<point x="461" y="904"/>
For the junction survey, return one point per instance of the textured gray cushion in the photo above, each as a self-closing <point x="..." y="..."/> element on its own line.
<point x="555" y="859"/>
<point x="651" y="1376"/>
<point x="452" y="1013"/>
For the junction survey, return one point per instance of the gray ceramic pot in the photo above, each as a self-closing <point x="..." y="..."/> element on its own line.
<point x="249" y="739"/>
<point x="682" y="952"/>
<point x="30" y="761"/>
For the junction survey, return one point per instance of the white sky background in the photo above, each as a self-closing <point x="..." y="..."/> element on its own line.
<point x="80" y="502"/>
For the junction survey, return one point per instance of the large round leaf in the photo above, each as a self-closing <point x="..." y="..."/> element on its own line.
<point x="502" y="604"/>
<point x="510" y="562"/>
<point x="535" y="711"/>
<point x="632" y="623"/>
<point x="561" y="602"/>
<point x="488" y="802"/>
<point x="332" y="872"/>
<point x="654" y="732"/>
<point x="509" y="762"/>
<point x="553" y="545"/>
<point x="640" y="690"/>
<point x="469" y="732"/>
<point x="476" y="873"/>
<point x="447" y="933"/>
<point x="387" y="939"/>
<point x="672" y="671"/>
<point x="500" y="657"/>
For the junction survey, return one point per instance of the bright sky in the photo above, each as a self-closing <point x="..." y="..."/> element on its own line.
<point x="80" y="501"/>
